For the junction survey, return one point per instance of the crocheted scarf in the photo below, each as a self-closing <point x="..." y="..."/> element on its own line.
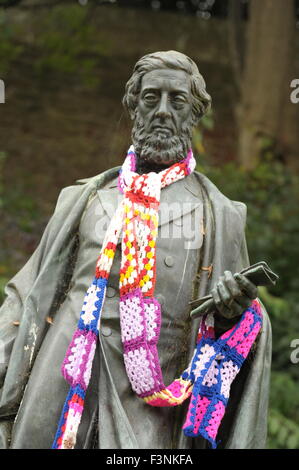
<point x="215" y="362"/>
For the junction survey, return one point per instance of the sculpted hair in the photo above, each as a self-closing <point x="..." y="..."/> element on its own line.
<point x="168" y="60"/>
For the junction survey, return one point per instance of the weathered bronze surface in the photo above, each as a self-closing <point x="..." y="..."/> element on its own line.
<point x="165" y="98"/>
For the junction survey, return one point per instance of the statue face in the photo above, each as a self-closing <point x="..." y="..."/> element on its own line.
<point x="163" y="123"/>
<point x="165" y="101"/>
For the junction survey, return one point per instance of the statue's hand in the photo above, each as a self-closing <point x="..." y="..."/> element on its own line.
<point x="233" y="294"/>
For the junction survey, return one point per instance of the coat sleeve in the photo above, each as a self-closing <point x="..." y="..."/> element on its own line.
<point x="245" y="423"/>
<point x="22" y="316"/>
<point x="11" y="313"/>
<point x="16" y="292"/>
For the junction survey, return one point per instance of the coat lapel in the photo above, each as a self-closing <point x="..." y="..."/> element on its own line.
<point x="177" y="200"/>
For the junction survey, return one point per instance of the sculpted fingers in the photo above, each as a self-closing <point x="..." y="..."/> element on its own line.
<point x="233" y="294"/>
<point x="232" y="284"/>
<point x="224" y="300"/>
<point x="224" y="292"/>
<point x="229" y="292"/>
<point x="246" y="286"/>
<point x="219" y="303"/>
<point x="216" y="298"/>
<point x="231" y="309"/>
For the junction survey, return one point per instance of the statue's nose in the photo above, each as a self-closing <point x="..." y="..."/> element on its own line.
<point x="163" y="110"/>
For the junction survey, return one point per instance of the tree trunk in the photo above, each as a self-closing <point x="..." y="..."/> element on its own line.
<point x="236" y="40"/>
<point x="266" y="113"/>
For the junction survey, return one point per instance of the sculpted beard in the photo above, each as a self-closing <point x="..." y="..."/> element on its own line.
<point x="158" y="150"/>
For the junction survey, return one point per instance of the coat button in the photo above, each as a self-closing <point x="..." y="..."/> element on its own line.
<point x="169" y="261"/>
<point x="110" y="292"/>
<point x="106" y="331"/>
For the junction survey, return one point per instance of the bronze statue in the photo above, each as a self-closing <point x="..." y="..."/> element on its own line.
<point x="165" y="98"/>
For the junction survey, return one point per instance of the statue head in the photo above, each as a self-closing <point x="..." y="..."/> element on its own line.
<point x="165" y="97"/>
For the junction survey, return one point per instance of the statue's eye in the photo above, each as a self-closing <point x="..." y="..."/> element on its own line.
<point x="179" y="99"/>
<point x="150" y="97"/>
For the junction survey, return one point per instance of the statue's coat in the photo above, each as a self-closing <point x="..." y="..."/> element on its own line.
<point x="32" y="388"/>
